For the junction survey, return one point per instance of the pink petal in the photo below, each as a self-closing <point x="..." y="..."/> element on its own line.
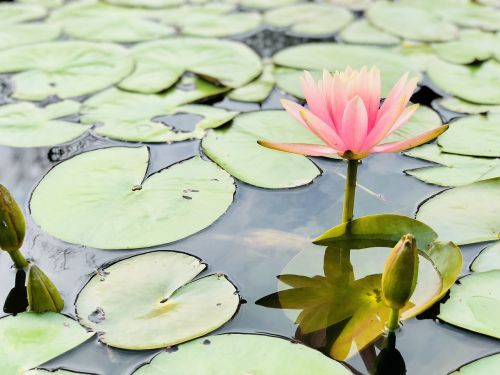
<point x="372" y="101"/>
<point x="300" y="148"/>
<point x="354" y="124"/>
<point x="338" y="100"/>
<point x="404" y="117"/>
<point x="394" y="96"/>
<point x="410" y="143"/>
<point x="314" y="97"/>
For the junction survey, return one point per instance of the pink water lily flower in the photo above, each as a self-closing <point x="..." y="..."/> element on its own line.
<point x="345" y="113"/>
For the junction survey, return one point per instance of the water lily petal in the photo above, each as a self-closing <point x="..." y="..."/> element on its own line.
<point x="301" y="148"/>
<point x="410" y="143"/>
<point x="326" y="133"/>
<point x="314" y="97"/>
<point x="339" y="100"/>
<point x="404" y="117"/>
<point x="354" y="124"/>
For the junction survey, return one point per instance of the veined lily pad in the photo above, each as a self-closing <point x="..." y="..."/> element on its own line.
<point x="16" y="13"/>
<point x="150" y="301"/>
<point x="161" y="63"/>
<point x="235" y="149"/>
<point x="466" y="214"/>
<point x="18" y="35"/>
<point x="257" y="90"/>
<point x="26" y="125"/>
<point x="474" y="135"/>
<point x="477" y="84"/>
<point x="30" y="339"/>
<point x="65" y="69"/>
<point x="309" y="19"/>
<point x="484" y="366"/>
<point x="455" y="170"/>
<point x="474" y="303"/>
<point x="461" y="106"/>
<point x="488" y="259"/>
<point x="363" y="32"/>
<point x="242" y="354"/>
<point x="413" y="23"/>
<point x="103" y="199"/>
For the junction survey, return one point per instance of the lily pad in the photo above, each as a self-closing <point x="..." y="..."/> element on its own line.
<point x="488" y="259"/>
<point x="263" y="4"/>
<point x="412" y="23"/>
<point x="66" y="69"/>
<point x="464" y="214"/>
<point x="147" y="3"/>
<point x="483" y="366"/>
<point x="455" y="170"/>
<point x="26" y="125"/>
<point x="150" y="301"/>
<point x="104" y="199"/>
<point x="16" y="13"/>
<point x="257" y="90"/>
<point x="473" y="135"/>
<point x="476" y="83"/>
<point x="57" y="372"/>
<point x="29" y="340"/>
<point x="18" y="35"/>
<point x="363" y="32"/>
<point x="309" y="19"/>
<point x="420" y="55"/>
<point x="235" y="149"/>
<point x="162" y="63"/>
<point x="242" y="354"/>
<point x="45" y="3"/>
<point x="462" y="106"/>
<point x="474" y="303"/>
<point x="351" y="4"/>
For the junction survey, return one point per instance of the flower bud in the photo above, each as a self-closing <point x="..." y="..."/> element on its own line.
<point x="43" y="296"/>
<point x="400" y="273"/>
<point x="12" y="224"/>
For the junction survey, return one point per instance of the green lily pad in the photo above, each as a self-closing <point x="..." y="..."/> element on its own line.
<point x="26" y="125"/>
<point x="133" y="210"/>
<point x="363" y="32"/>
<point x="472" y="45"/>
<point x="351" y="4"/>
<point x="319" y="56"/>
<point x="309" y="19"/>
<point x="462" y="106"/>
<point x="242" y="354"/>
<point x="96" y="21"/>
<point x="477" y="83"/>
<point x="129" y="116"/>
<point x="263" y="4"/>
<point x="455" y="170"/>
<point x="146" y="3"/>
<point x="150" y="301"/>
<point x="65" y="69"/>
<point x="483" y="366"/>
<point x="45" y="3"/>
<point x="16" y="13"/>
<point x="488" y="259"/>
<point x="257" y="90"/>
<point x="408" y="22"/>
<point x="235" y="149"/>
<point x="464" y="214"/>
<point x="30" y="339"/>
<point x="161" y="63"/>
<point x="420" y="55"/>
<point x="474" y="303"/>
<point x="18" y="35"/>
<point x="473" y="135"/>
<point x="57" y="372"/>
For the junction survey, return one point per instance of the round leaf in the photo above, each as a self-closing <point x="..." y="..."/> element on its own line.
<point x="149" y="301"/>
<point x="363" y="32"/>
<point x="461" y="106"/>
<point x="488" y="259"/>
<point x="16" y="13"/>
<point x="103" y="199"/>
<point x="147" y="3"/>
<point x="483" y="366"/>
<point x="18" y="35"/>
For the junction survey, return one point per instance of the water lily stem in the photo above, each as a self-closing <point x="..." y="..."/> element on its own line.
<point x="18" y="259"/>
<point x="393" y="323"/>
<point x="350" y="190"/>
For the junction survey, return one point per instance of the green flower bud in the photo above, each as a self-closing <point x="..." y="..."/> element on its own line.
<point x="400" y="273"/>
<point x="12" y="224"/>
<point x="43" y="296"/>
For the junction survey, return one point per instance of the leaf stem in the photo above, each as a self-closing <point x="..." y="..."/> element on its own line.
<point x="393" y="323"/>
<point x="18" y="259"/>
<point x="350" y="190"/>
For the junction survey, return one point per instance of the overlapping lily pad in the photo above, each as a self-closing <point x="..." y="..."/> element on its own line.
<point x="26" y="125"/>
<point x="104" y="199"/>
<point x="162" y="63"/>
<point x="309" y="19"/>
<point x="461" y="106"/>
<point x="16" y="13"/>
<point x="363" y="32"/>
<point x="29" y="340"/>
<point x="235" y="149"/>
<point x="66" y="69"/>
<point x="245" y="354"/>
<point x="150" y="301"/>
<point x="465" y="214"/>
<point x="257" y="90"/>
<point x="488" y="259"/>
<point x="483" y="366"/>
<point x="18" y="35"/>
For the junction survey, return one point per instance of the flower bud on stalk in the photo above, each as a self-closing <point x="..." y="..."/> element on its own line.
<point x="400" y="277"/>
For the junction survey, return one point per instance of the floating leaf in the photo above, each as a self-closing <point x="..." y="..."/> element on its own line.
<point x="65" y="69"/>
<point x="455" y="170"/>
<point x="147" y="3"/>
<point x="30" y="339"/>
<point x="150" y="301"/>
<point x="408" y="22"/>
<point x="363" y="32"/>
<point x="488" y="259"/>
<point x="257" y="90"/>
<point x="476" y="83"/>
<point x="161" y="63"/>
<point x="242" y="354"/>
<point x="26" y="125"/>
<point x="473" y="135"/>
<point x="45" y="3"/>
<point x="483" y="366"/>
<point x="309" y="19"/>
<point x="262" y="4"/>
<point x="132" y="210"/>
<point x="420" y="55"/>
<point x="57" y="372"/>
<point x="464" y="214"/>
<point x="474" y="303"/>
<point x="351" y="4"/>
<point x="461" y="106"/>
<point x="235" y="149"/>
<point x="16" y="13"/>
<point x="18" y="35"/>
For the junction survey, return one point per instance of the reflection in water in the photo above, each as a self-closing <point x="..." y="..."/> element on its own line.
<point x="17" y="299"/>
<point x="390" y="361"/>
